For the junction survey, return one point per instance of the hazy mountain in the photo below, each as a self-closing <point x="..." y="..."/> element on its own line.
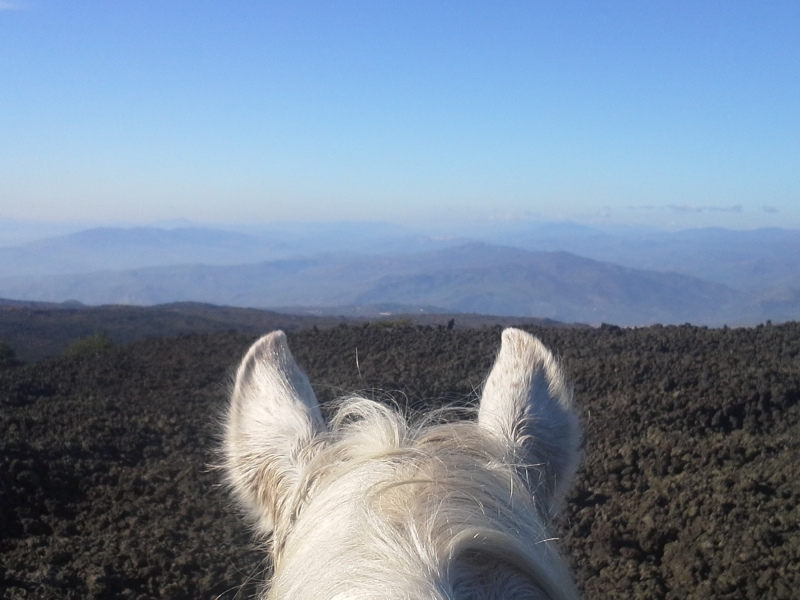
<point x="126" y="248"/>
<point x="14" y="232"/>
<point x="756" y="260"/>
<point x="473" y="277"/>
<point x="753" y="260"/>
<point x="626" y="276"/>
<point x="119" y="249"/>
<point x="560" y="286"/>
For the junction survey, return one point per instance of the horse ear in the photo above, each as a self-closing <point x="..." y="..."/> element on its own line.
<point x="272" y="422"/>
<point x="527" y="404"/>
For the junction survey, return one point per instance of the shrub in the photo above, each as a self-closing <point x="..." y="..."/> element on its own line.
<point x="89" y="346"/>
<point x="392" y="324"/>
<point x="7" y="358"/>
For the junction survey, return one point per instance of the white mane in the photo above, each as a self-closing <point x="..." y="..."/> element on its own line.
<point x="373" y="506"/>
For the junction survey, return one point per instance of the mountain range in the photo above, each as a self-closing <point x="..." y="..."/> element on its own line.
<point x="564" y="272"/>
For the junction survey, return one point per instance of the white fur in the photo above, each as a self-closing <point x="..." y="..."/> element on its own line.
<point x="374" y="507"/>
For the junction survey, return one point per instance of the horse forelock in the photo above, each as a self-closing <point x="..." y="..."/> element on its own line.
<point x="412" y="508"/>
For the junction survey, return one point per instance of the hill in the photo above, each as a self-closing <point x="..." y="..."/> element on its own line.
<point x="38" y="330"/>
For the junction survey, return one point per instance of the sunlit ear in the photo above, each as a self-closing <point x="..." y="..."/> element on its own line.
<point x="272" y="421"/>
<point x="527" y="404"/>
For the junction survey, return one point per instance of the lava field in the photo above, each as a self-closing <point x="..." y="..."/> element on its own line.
<point x="690" y="484"/>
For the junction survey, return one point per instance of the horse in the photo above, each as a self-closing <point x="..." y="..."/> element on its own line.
<point x="376" y="504"/>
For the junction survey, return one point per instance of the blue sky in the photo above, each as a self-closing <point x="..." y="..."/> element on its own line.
<point x="674" y="114"/>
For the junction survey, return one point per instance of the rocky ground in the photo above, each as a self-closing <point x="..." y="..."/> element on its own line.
<point x="689" y="487"/>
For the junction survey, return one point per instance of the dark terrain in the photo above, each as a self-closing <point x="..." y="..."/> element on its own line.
<point x="689" y="487"/>
<point x="37" y="330"/>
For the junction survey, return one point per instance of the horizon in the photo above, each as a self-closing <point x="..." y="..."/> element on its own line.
<point x="609" y="115"/>
<point x="18" y="232"/>
<point x="15" y="231"/>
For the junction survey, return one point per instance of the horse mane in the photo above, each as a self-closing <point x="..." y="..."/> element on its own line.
<point x="441" y="499"/>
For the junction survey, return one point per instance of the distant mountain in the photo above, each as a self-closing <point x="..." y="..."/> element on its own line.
<point x="126" y="248"/>
<point x="14" y="232"/>
<point x="756" y="260"/>
<point x="625" y="276"/>
<point x="122" y="249"/>
<point x="474" y="277"/>
<point x="753" y="260"/>
<point x="557" y="285"/>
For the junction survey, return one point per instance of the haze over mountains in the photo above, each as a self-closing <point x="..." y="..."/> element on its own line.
<point x="565" y="272"/>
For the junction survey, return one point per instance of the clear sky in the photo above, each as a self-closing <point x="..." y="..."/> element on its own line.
<point x="663" y="113"/>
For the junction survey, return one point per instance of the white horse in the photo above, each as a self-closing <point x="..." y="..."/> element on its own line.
<point x="370" y="506"/>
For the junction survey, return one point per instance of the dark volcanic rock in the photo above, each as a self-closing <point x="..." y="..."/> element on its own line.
<point x="688" y="489"/>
